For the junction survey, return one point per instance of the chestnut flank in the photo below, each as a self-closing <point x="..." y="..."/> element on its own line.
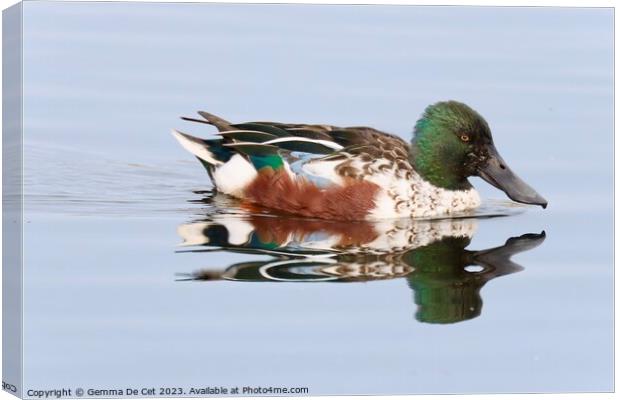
<point x="276" y="190"/>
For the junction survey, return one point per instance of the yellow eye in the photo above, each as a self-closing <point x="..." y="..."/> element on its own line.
<point x="465" y="138"/>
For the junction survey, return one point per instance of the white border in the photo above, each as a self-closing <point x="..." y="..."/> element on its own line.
<point x="506" y="3"/>
<point x="535" y="3"/>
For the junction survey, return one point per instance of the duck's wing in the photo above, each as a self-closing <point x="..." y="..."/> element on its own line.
<point x="312" y="138"/>
<point x="323" y="154"/>
<point x="335" y="153"/>
<point x="353" y="138"/>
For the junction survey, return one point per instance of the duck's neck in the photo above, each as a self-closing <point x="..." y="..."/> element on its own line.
<point x="434" y="164"/>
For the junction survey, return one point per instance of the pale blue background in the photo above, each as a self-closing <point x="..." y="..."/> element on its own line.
<point x="106" y="187"/>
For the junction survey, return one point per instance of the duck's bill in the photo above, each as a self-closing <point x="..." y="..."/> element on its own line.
<point x="497" y="173"/>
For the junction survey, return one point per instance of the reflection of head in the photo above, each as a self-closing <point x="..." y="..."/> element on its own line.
<point x="444" y="290"/>
<point x="448" y="304"/>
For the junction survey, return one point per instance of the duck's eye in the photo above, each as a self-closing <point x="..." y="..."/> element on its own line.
<point x="465" y="138"/>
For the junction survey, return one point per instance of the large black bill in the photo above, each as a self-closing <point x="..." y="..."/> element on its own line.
<point x="497" y="173"/>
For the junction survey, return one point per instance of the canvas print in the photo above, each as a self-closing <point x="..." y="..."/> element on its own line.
<point x="207" y="199"/>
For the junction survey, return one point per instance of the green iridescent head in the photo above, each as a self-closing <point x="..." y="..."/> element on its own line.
<point x="453" y="142"/>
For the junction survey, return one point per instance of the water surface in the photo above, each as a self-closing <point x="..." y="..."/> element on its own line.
<point x="138" y="274"/>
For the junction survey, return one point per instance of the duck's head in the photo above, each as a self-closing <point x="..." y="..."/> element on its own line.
<point x="453" y="142"/>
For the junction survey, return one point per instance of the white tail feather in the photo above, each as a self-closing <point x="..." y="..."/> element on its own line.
<point x="196" y="147"/>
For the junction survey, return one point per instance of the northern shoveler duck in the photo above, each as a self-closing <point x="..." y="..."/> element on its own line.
<point x="358" y="173"/>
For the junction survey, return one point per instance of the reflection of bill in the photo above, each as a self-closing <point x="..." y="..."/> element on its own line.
<point x="445" y="277"/>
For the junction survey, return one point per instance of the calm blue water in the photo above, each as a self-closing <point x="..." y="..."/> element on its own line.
<point x="136" y="274"/>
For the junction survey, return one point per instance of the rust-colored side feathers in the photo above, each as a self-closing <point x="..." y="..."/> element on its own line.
<point x="276" y="190"/>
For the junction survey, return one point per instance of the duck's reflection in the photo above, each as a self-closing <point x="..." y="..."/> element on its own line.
<point x="431" y="255"/>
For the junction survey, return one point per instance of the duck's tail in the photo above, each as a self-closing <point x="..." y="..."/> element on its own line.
<point x="229" y="171"/>
<point x="234" y="159"/>
<point x="209" y="151"/>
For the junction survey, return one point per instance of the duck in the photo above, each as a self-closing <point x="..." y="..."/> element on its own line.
<point x="358" y="173"/>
